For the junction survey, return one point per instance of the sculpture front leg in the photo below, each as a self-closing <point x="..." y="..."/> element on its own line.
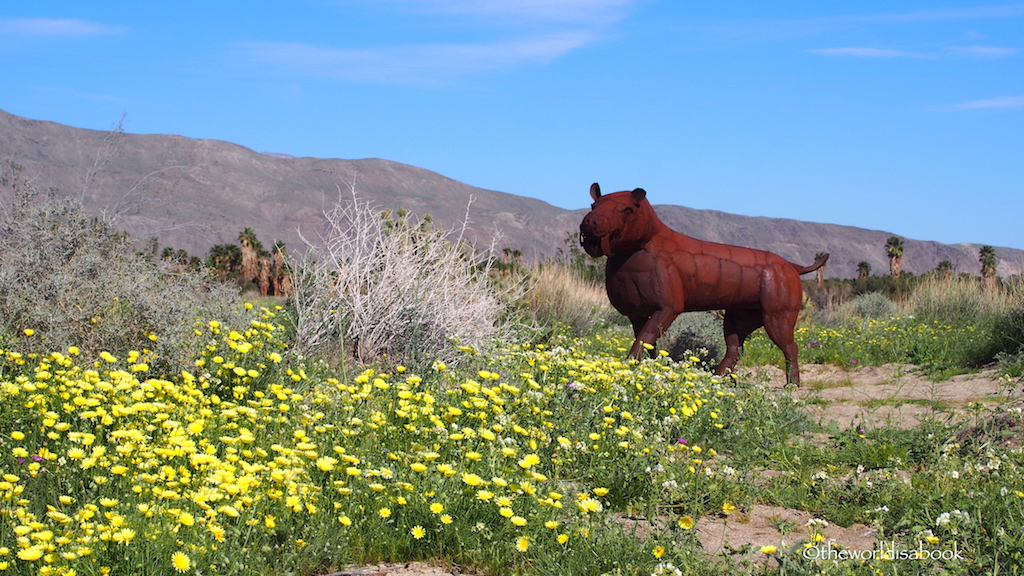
<point x="647" y="331"/>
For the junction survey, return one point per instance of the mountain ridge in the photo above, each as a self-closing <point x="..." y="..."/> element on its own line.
<point x="194" y="193"/>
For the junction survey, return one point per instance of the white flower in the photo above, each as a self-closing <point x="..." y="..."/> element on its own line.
<point x="666" y="569"/>
<point x="961" y="517"/>
<point x="817" y="523"/>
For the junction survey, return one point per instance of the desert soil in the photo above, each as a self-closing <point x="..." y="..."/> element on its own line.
<point x="893" y="395"/>
<point x="866" y="396"/>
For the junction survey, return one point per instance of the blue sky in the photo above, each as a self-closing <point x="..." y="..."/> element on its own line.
<point x="900" y="116"/>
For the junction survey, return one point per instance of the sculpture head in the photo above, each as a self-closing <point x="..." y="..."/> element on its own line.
<point x="618" y="223"/>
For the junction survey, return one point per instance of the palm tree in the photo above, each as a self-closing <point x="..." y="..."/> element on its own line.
<point x="894" y="250"/>
<point x="821" y="271"/>
<point x="989" y="262"/>
<point x="224" y="258"/>
<point x="863" y="269"/>
<point x="251" y="250"/>
<point x="280" y="272"/>
<point x="264" y="279"/>
<point x="944" y="269"/>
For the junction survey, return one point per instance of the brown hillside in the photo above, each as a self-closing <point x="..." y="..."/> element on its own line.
<point x="193" y="194"/>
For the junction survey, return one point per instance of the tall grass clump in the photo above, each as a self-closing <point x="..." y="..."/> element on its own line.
<point x="965" y="302"/>
<point x="70" y="279"/>
<point x="560" y="296"/>
<point x="1009" y="328"/>
<point x="957" y="300"/>
<point x="389" y="286"/>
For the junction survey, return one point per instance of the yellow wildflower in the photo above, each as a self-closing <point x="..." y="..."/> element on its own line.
<point x="181" y="561"/>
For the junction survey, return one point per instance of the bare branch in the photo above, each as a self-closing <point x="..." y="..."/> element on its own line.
<point x="107" y="150"/>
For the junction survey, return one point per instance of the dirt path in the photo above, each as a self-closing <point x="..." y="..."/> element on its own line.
<point x="891" y="395"/>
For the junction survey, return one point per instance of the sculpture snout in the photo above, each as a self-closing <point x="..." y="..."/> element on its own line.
<point x="591" y="238"/>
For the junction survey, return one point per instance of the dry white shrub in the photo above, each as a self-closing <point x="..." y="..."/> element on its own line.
<point x="394" y="287"/>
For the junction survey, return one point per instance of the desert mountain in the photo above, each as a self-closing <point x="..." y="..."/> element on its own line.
<point x="192" y="194"/>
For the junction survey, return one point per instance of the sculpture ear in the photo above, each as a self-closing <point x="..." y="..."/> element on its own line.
<point x="639" y="194"/>
<point x="595" y="191"/>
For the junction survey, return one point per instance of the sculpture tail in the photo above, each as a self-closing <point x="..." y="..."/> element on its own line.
<point x="805" y="269"/>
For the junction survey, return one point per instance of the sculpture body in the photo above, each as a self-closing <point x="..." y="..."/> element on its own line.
<point x="653" y="274"/>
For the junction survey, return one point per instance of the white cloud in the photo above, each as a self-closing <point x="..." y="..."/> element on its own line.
<point x="413" y="64"/>
<point x="979" y="13"/>
<point x="989" y="104"/>
<point x="514" y="33"/>
<point x="56" y="27"/>
<point x="772" y="29"/>
<point x="520" y="12"/>
<point x="864" y="52"/>
<point x="988" y="52"/>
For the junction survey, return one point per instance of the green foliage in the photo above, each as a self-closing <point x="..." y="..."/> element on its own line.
<point x="872" y="305"/>
<point x="586" y="267"/>
<point x="988" y="260"/>
<point x="946" y="324"/>
<point x="695" y="333"/>
<point x="226" y="258"/>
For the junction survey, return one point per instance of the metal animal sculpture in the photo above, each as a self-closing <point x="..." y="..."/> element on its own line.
<point x="653" y="274"/>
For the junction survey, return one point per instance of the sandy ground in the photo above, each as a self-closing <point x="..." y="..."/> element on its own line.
<point x="890" y="395"/>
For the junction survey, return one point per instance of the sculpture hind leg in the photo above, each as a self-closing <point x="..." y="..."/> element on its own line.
<point x="780" y="327"/>
<point x="737" y="325"/>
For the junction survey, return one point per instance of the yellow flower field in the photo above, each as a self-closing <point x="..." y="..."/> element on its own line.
<point x="242" y="461"/>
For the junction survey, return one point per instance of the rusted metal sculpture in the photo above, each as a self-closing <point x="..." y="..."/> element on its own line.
<point x="654" y="273"/>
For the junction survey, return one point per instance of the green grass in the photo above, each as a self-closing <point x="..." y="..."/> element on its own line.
<point x="876" y="342"/>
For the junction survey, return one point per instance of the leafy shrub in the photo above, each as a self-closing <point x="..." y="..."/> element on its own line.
<point x="870" y="305"/>
<point x="71" y="280"/>
<point x="697" y="333"/>
<point x="394" y="288"/>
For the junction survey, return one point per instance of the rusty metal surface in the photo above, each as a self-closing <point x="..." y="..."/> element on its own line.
<point x="654" y="273"/>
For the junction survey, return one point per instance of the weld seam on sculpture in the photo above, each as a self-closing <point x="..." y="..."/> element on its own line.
<point x="654" y="273"/>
